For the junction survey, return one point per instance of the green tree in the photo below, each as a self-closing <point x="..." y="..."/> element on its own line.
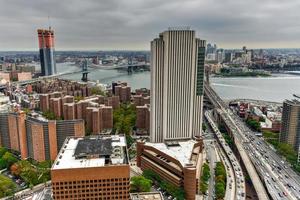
<point x="150" y="174"/>
<point x="7" y="187"/>
<point x="220" y="180"/>
<point x="78" y="98"/>
<point x="205" y="172"/>
<point x="204" y="127"/>
<point x="204" y="178"/>
<point x="253" y="124"/>
<point x="49" y="115"/>
<point x="262" y="119"/>
<point x="3" y="163"/>
<point x="9" y="158"/>
<point x="97" y="91"/>
<point x="124" y="118"/>
<point x="27" y="111"/>
<point x="176" y="192"/>
<point x="140" y="184"/>
<point x="203" y="187"/>
<point x="3" y="150"/>
<point x="220" y="190"/>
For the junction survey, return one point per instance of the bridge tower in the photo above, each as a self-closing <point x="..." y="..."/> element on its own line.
<point x="84" y="70"/>
<point x="130" y="67"/>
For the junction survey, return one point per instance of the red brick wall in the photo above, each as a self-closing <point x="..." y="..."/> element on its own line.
<point x="38" y="144"/>
<point x="22" y="135"/>
<point x="13" y="132"/>
<point x="52" y="139"/>
<point x="79" y="129"/>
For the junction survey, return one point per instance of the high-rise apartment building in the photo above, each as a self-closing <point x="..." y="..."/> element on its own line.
<point x="36" y="138"/>
<point x="46" y="46"/>
<point x="177" y="74"/>
<point x="290" y="128"/>
<point x="92" y="168"/>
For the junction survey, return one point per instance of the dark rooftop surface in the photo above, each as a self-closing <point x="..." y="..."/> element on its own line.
<point x="97" y="147"/>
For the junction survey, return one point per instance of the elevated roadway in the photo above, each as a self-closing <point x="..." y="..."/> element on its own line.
<point x="267" y="170"/>
<point x="220" y="106"/>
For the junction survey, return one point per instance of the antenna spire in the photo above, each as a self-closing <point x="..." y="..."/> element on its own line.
<point x="49" y="22"/>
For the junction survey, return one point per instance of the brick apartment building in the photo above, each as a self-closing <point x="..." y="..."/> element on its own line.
<point x="178" y="163"/>
<point x="143" y="117"/>
<point x="92" y="168"/>
<point x="96" y="111"/>
<point x="37" y="138"/>
<point x="122" y="90"/>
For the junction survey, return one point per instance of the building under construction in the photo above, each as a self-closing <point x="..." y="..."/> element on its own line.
<point x="46" y="45"/>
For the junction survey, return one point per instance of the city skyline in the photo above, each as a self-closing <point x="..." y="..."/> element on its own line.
<point x="120" y="25"/>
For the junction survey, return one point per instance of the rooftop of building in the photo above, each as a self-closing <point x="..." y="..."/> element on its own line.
<point x="180" y="150"/>
<point x="294" y="102"/>
<point x="146" y="196"/>
<point x="94" y="151"/>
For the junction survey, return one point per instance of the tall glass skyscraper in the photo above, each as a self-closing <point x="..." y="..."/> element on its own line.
<point x="177" y="75"/>
<point x="46" y="45"/>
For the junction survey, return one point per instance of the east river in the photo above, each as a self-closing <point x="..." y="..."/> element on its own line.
<point x="276" y="88"/>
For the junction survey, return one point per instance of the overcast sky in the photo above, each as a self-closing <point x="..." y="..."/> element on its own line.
<point x="132" y="24"/>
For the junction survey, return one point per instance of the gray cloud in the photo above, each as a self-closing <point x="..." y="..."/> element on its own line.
<point x="131" y="24"/>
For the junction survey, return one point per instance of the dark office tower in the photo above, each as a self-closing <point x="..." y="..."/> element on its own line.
<point x="46" y="45"/>
<point x="290" y="129"/>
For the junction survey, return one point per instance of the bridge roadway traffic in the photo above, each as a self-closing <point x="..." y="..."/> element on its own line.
<point x="258" y="186"/>
<point x="235" y="179"/>
<point x="276" y="169"/>
<point x="280" y="180"/>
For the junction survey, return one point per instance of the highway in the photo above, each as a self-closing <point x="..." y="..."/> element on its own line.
<point x="275" y="168"/>
<point x="212" y="158"/>
<point x="280" y="180"/>
<point x="235" y="175"/>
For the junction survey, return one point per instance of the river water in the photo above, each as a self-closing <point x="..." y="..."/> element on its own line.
<point x="276" y="88"/>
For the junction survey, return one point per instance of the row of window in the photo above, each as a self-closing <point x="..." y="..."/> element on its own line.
<point x="92" y="181"/>
<point x="91" y="189"/>
<point x="107" y="185"/>
<point x="89" y="197"/>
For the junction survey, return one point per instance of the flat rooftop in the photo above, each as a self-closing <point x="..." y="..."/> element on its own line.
<point x="181" y="151"/>
<point x="95" y="151"/>
<point x="146" y="196"/>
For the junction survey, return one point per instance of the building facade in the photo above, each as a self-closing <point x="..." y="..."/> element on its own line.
<point x="177" y="75"/>
<point x="290" y="127"/>
<point x="92" y="168"/>
<point x="46" y="46"/>
<point x="178" y="163"/>
<point x="39" y="139"/>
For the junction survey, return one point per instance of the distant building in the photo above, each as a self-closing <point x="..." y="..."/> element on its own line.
<point x="24" y="76"/>
<point x="46" y="45"/>
<point x="228" y="57"/>
<point x="290" y="127"/>
<point x="143" y="118"/>
<point x="177" y="77"/>
<point x="5" y="76"/>
<point x="92" y="168"/>
<point x="178" y="163"/>
<point x="220" y="55"/>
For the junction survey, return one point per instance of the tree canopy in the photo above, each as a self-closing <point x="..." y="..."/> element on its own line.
<point x="220" y="180"/>
<point x="124" y="118"/>
<point x="7" y="187"/>
<point x="140" y="184"/>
